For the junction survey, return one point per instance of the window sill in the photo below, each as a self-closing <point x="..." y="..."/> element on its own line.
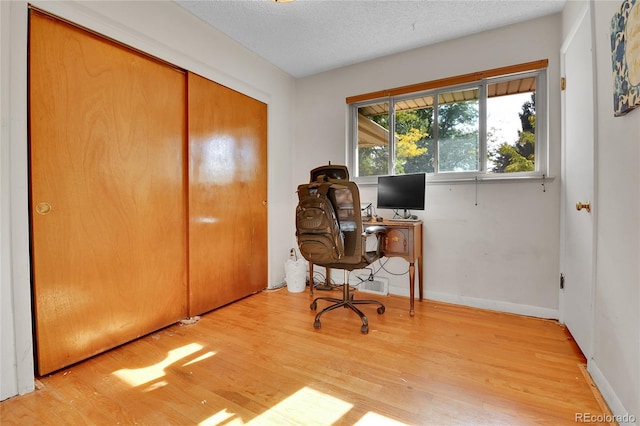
<point x="448" y="179"/>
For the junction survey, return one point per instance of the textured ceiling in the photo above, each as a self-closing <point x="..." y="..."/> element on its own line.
<point x="306" y="37"/>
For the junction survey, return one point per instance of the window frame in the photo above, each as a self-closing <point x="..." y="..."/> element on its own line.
<point x="482" y="80"/>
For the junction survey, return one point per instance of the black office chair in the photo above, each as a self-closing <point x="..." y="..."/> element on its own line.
<point x="347" y="249"/>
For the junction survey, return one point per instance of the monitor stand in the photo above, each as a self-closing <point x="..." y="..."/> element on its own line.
<point x="405" y="216"/>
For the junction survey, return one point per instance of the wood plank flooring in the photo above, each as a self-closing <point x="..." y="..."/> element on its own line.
<point x="259" y="361"/>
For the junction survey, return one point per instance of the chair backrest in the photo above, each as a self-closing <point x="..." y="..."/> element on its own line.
<point x="329" y="172"/>
<point x="331" y="183"/>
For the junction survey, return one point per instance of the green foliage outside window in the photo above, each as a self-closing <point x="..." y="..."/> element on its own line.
<point x="457" y="137"/>
<point x="518" y="157"/>
<point x="414" y="130"/>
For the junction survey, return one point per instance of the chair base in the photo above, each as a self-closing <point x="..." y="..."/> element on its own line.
<point x="347" y="301"/>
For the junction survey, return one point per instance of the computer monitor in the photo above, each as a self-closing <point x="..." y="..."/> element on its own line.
<point x="402" y="192"/>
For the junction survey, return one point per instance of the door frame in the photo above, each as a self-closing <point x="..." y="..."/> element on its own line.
<point x="18" y="372"/>
<point x="580" y="17"/>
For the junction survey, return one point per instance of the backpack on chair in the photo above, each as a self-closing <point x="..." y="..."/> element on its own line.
<point x="318" y="230"/>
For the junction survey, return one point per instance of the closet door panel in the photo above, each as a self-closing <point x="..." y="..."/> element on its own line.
<point x="227" y="195"/>
<point x="108" y="193"/>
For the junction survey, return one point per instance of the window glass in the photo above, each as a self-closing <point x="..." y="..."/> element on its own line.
<point x="414" y="135"/>
<point x="373" y="139"/>
<point x="458" y="131"/>
<point x="511" y="124"/>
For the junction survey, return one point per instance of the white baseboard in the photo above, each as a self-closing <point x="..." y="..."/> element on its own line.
<point x="622" y="416"/>
<point x="494" y="305"/>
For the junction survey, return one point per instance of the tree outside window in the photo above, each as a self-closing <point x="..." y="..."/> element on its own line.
<point x="514" y="152"/>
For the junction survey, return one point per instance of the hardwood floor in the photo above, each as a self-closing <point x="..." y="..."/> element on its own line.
<point x="260" y="361"/>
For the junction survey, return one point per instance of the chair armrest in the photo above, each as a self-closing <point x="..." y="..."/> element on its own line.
<point x="375" y="229"/>
<point x="379" y="232"/>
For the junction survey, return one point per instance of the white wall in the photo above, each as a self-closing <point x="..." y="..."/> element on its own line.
<point x="501" y="254"/>
<point x="167" y="31"/>
<point x="8" y="383"/>
<point x="615" y="365"/>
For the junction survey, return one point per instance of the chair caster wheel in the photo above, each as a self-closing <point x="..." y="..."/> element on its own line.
<point x="316" y="324"/>
<point x="381" y="310"/>
<point x="365" y="329"/>
<point x="313" y="306"/>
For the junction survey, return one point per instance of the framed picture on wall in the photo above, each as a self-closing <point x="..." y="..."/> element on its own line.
<point x="625" y="55"/>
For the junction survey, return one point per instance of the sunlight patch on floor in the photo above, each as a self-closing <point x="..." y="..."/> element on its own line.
<point x="307" y="406"/>
<point x="200" y="358"/>
<point x="156" y="385"/>
<point x="377" y="419"/>
<point x="220" y="417"/>
<point x="139" y="376"/>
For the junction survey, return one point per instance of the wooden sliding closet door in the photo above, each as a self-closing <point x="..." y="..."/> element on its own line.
<point x="108" y="193"/>
<point x="227" y="195"/>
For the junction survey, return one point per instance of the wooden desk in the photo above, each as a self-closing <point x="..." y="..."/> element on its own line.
<point x="404" y="239"/>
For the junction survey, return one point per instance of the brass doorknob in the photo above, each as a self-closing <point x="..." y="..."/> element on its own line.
<point x="586" y="206"/>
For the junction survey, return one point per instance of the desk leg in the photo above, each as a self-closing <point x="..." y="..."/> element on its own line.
<point x="412" y="282"/>
<point x="420" y="277"/>
<point x="311" y="278"/>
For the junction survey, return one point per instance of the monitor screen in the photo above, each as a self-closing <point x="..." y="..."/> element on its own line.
<point x="401" y="192"/>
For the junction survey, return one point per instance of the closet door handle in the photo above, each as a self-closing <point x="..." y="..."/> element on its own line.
<point x="43" y="208"/>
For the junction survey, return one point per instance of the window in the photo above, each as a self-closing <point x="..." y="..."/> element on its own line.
<point x="373" y="139"/>
<point x="488" y="124"/>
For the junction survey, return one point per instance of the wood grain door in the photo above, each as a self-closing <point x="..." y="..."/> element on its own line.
<point x="108" y="193"/>
<point x="577" y="309"/>
<point x="227" y="195"/>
